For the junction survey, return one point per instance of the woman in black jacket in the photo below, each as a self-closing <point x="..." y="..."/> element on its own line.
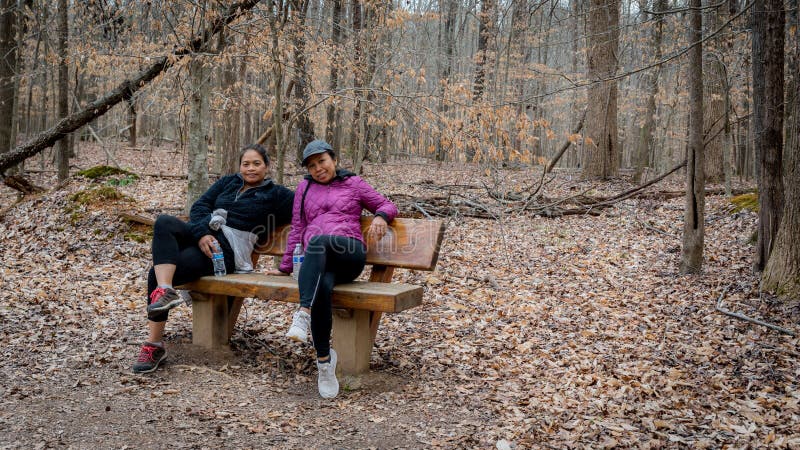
<point x="234" y="213"/>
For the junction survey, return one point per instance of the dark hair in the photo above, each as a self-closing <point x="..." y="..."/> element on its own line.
<point x="256" y="148"/>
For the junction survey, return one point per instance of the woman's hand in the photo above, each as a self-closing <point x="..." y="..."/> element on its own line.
<point x="377" y="229"/>
<point x="276" y="272"/>
<point x="207" y="245"/>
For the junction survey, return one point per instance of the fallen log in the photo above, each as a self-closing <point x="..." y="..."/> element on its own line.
<point x="22" y="184"/>
<point x="144" y="220"/>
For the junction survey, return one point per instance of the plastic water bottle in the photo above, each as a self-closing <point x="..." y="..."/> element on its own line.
<point x="218" y="258"/>
<point x="297" y="260"/>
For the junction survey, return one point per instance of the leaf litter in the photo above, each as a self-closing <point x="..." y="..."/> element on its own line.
<point x="570" y="332"/>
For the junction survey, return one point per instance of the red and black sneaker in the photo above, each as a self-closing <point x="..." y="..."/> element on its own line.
<point x="162" y="299"/>
<point x="150" y="356"/>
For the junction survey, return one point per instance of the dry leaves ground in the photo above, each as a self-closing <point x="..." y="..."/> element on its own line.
<point x="573" y="332"/>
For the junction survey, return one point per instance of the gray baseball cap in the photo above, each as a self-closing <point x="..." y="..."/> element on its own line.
<point x="316" y="147"/>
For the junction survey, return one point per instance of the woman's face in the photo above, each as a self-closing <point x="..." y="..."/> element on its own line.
<point x="321" y="167"/>
<point x="253" y="168"/>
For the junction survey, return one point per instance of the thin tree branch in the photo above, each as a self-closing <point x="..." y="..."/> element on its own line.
<point x="740" y="316"/>
<point x="566" y="145"/>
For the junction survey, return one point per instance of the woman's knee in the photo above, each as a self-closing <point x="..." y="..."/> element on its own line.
<point x="167" y="222"/>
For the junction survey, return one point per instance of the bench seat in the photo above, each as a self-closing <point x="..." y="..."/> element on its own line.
<point x="357" y="307"/>
<point x="369" y="295"/>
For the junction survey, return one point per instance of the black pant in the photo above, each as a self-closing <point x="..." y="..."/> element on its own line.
<point x="328" y="260"/>
<point x="173" y="243"/>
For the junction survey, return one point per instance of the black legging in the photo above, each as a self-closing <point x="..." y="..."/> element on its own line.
<point x="328" y="260"/>
<point x="173" y="243"/>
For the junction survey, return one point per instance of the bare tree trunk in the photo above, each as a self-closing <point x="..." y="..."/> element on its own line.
<point x="792" y="74"/>
<point x="746" y="127"/>
<point x="198" y="133"/>
<point x="376" y="37"/>
<point x="537" y="111"/>
<point x="486" y="30"/>
<point x="373" y="22"/>
<point x="46" y="75"/>
<point x="578" y="23"/>
<point x="62" y="152"/>
<point x="34" y="67"/>
<point x="758" y="66"/>
<point x="714" y="121"/>
<point x="246" y="135"/>
<point x="227" y="151"/>
<point x="356" y="9"/>
<point x="518" y="51"/>
<point x="447" y="42"/>
<point x="305" y="128"/>
<point x="782" y="271"/>
<point x="277" y="117"/>
<point x="768" y="57"/>
<point x="332" y="113"/>
<point x="132" y="121"/>
<point x="198" y="123"/>
<point x="694" y="213"/>
<point x="727" y="143"/>
<point x="276" y="23"/>
<point x="714" y="87"/>
<point x="601" y="156"/>
<point x="22" y="29"/>
<point x="8" y="69"/>
<point x="647" y="132"/>
<point x="485" y="33"/>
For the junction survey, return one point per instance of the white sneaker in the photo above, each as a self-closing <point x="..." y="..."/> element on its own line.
<point x="301" y="322"/>
<point x="326" y="381"/>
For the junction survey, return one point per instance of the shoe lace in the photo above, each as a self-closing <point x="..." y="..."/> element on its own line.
<point x="146" y="354"/>
<point x="325" y="369"/>
<point x="297" y="320"/>
<point x="156" y="294"/>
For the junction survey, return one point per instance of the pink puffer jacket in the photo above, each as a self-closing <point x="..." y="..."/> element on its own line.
<point x="334" y="209"/>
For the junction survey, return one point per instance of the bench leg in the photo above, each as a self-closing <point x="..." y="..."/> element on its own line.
<point x="352" y="340"/>
<point x="210" y="320"/>
<point x="374" y="322"/>
<point x="234" y="306"/>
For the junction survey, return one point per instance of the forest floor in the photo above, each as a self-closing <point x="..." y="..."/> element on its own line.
<point x="569" y="332"/>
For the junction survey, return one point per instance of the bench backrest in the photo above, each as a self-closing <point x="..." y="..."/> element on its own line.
<point x="408" y="243"/>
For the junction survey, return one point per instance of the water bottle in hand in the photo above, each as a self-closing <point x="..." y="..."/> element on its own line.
<point x="297" y="260"/>
<point x="218" y="258"/>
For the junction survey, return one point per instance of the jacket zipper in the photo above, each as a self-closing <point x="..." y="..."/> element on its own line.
<point x="239" y="192"/>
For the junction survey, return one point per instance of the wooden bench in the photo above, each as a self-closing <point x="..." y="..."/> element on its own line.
<point x="358" y="306"/>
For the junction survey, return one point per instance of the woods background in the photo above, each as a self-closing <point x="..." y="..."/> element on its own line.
<point x="604" y="84"/>
<point x="471" y="81"/>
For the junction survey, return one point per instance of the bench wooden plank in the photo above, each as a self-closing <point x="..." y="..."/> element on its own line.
<point x="408" y="243"/>
<point x="364" y="295"/>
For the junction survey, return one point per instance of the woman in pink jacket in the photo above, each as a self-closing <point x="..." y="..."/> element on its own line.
<point x="326" y="222"/>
